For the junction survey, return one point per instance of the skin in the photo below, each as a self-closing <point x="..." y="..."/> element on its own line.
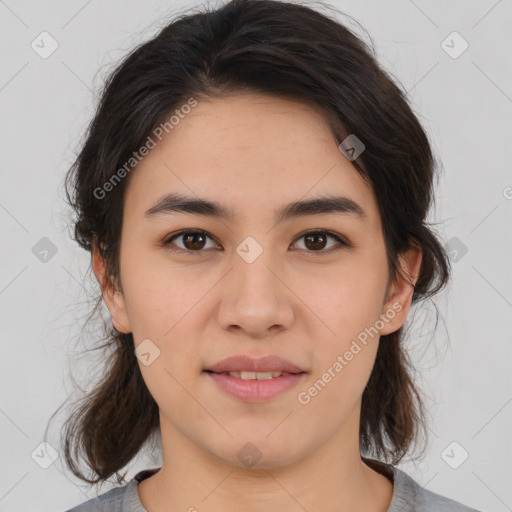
<point x="254" y="153"/>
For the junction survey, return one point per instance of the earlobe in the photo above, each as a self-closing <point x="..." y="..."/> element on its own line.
<point x="118" y="312"/>
<point x="399" y="299"/>
<point x="114" y="299"/>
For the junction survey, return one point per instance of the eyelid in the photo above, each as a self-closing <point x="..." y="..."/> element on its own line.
<point x="342" y="241"/>
<point x="168" y="240"/>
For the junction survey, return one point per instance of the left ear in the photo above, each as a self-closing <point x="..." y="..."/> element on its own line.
<point x="399" y="296"/>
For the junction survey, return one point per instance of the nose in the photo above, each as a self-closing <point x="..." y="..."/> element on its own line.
<point x="255" y="299"/>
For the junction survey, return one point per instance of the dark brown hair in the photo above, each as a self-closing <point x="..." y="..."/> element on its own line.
<point x="286" y="50"/>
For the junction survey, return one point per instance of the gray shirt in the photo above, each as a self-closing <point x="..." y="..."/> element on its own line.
<point x="408" y="496"/>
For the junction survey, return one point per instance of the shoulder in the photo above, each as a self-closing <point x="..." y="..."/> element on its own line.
<point x="409" y="496"/>
<point x="111" y="501"/>
<point x="118" y="499"/>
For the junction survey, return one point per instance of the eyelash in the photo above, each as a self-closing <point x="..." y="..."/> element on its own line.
<point x="342" y="243"/>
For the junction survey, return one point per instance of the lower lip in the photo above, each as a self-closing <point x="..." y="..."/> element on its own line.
<point x="255" y="390"/>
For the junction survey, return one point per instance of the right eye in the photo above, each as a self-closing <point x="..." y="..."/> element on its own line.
<point x="193" y="240"/>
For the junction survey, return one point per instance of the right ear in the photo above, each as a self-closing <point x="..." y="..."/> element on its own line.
<point x="114" y="299"/>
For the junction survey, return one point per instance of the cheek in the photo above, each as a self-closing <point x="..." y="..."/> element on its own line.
<point x="347" y="301"/>
<point x="158" y="299"/>
<point x="166" y="308"/>
<point x="343" y="358"/>
<point x="348" y="307"/>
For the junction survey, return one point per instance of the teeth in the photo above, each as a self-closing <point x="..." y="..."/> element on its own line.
<point x="256" y="375"/>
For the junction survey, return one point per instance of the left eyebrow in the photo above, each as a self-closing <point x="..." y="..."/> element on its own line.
<point x="180" y="203"/>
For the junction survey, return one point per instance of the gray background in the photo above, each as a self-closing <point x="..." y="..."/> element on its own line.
<point x="465" y="103"/>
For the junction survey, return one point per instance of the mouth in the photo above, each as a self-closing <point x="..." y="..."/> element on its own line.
<point x="254" y="379"/>
<point x="254" y="387"/>
<point x="249" y="375"/>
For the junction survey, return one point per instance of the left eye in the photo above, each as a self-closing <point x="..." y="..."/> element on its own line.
<point x="194" y="241"/>
<point x="318" y="239"/>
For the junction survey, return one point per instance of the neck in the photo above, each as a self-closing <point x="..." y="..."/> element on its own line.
<point x="331" y="477"/>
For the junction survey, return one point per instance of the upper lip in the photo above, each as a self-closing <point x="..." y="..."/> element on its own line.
<point x="269" y="363"/>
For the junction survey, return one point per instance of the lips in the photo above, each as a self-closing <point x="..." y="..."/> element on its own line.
<point x="255" y="380"/>
<point x="245" y="365"/>
<point x="254" y="390"/>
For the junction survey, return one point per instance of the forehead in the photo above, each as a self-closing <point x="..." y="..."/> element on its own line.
<point x="250" y="152"/>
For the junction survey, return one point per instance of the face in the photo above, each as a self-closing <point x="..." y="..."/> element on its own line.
<point x="304" y="286"/>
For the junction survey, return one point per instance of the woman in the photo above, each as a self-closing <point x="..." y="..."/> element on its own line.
<point x="253" y="190"/>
